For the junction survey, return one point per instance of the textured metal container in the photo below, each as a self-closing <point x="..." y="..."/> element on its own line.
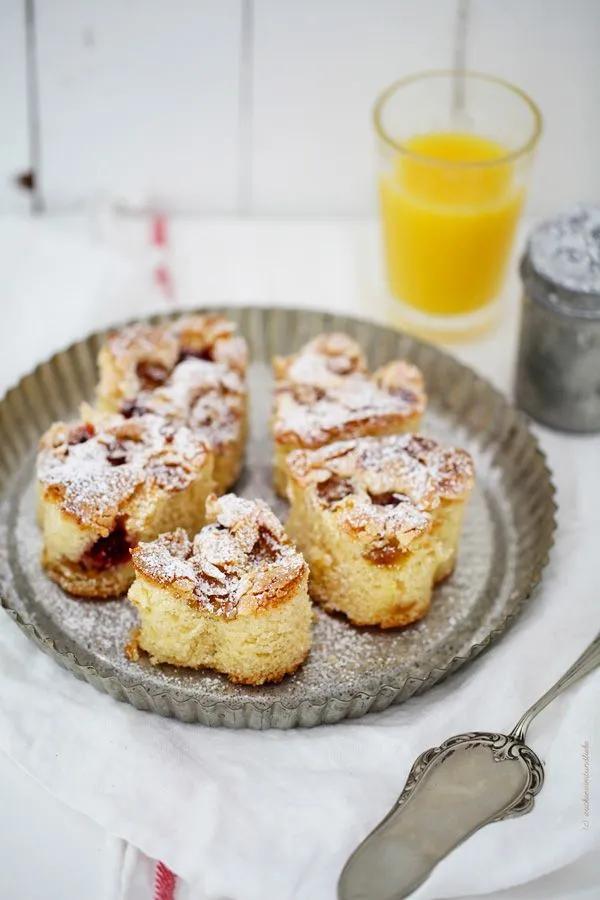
<point x="558" y="370"/>
<point x="507" y="535"/>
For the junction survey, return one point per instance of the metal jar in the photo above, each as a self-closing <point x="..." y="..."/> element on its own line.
<point x="558" y="367"/>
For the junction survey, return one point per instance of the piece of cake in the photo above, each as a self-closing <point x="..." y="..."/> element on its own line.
<point x="211" y="400"/>
<point x="324" y="394"/>
<point x="141" y="357"/>
<point x="107" y="482"/>
<point x="191" y="371"/>
<point x="234" y="599"/>
<point x="378" y="521"/>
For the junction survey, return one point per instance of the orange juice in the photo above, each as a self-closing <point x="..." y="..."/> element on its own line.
<point x="450" y="207"/>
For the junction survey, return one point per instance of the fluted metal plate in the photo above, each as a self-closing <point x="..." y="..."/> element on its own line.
<point x="507" y="536"/>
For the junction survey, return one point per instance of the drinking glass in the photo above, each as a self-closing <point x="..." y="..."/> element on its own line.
<point x="455" y="150"/>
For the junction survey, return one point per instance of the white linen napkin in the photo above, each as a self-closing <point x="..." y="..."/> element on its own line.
<point x="245" y="815"/>
<point x="135" y="878"/>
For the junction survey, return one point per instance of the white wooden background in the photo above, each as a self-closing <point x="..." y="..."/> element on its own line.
<point x="262" y="107"/>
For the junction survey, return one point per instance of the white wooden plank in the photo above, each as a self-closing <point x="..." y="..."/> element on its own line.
<point x="14" y="144"/>
<point x="549" y="48"/>
<point x="317" y="70"/>
<point x="139" y="102"/>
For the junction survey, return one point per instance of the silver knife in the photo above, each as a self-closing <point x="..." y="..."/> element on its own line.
<point x="452" y="790"/>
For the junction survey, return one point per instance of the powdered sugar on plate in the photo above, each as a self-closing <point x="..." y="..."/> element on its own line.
<point x="347" y="666"/>
<point x="343" y="660"/>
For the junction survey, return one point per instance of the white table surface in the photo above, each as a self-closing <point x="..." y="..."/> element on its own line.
<point x="46" y="850"/>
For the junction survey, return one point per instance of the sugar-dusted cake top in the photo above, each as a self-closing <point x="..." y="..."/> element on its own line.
<point x="94" y="466"/>
<point x="384" y="488"/>
<point x="324" y="393"/>
<point x="324" y="361"/>
<point x="241" y="561"/>
<point x="141" y="357"/>
<point x="209" y="397"/>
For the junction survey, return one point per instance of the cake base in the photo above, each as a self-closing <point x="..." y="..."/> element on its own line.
<point x="251" y="649"/>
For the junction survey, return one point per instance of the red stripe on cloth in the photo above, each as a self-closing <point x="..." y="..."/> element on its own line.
<point x="165" y="882"/>
<point x="159" y="238"/>
<point x="163" y="279"/>
<point x="160" y="235"/>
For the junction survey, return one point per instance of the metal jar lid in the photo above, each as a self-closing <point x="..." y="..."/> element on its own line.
<point x="558" y="371"/>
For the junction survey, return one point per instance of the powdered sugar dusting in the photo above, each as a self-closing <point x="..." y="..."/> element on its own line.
<point x="211" y="336"/>
<point x="140" y="358"/>
<point x="206" y="396"/>
<point x="241" y="560"/>
<point x="418" y="466"/>
<point x="384" y="488"/>
<point x="93" y="468"/>
<point x="324" y="394"/>
<point x="325" y="361"/>
<point x="143" y="342"/>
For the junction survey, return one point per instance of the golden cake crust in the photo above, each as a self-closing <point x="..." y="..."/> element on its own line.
<point x="240" y="563"/>
<point x="324" y="393"/>
<point x="91" y="469"/>
<point x="212" y="337"/>
<point x="98" y="585"/>
<point x="208" y="397"/>
<point x="324" y="361"/>
<point x="383" y="490"/>
<point x="141" y="357"/>
<point x="192" y="372"/>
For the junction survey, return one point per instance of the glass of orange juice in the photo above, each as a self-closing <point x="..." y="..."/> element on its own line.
<point x="455" y="152"/>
